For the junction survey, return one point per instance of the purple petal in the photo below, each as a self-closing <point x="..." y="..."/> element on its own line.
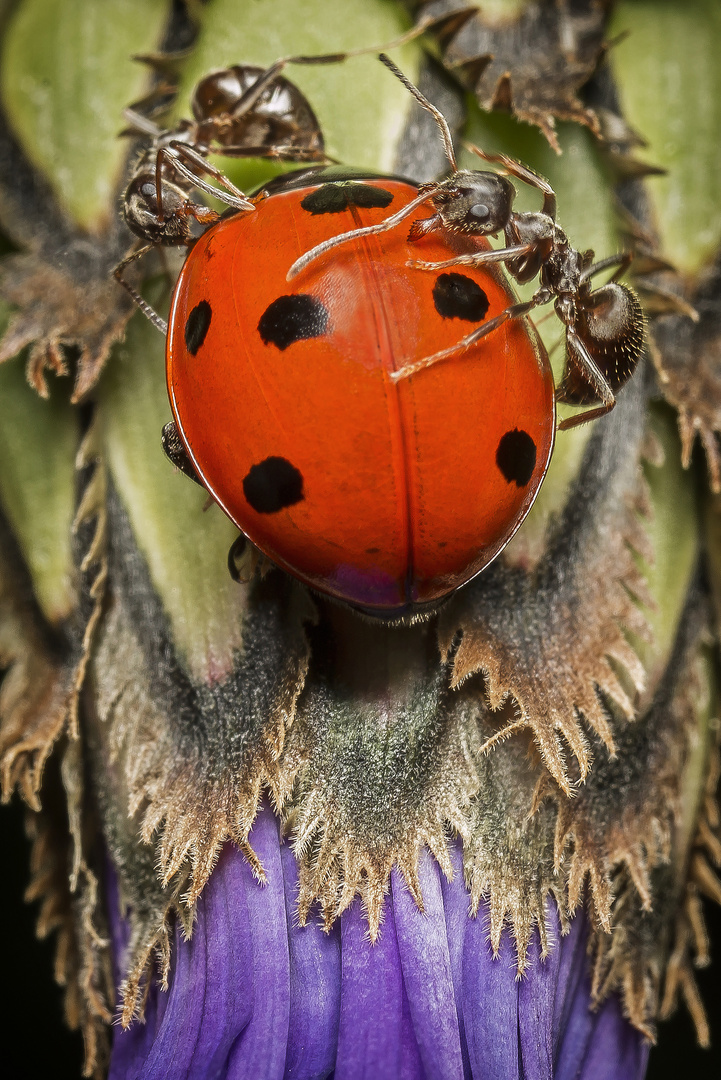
<point x="426" y="964"/>
<point x="536" y="1002"/>
<point x="599" y="1045"/>
<point x="615" y="1051"/>
<point x="210" y="995"/>
<point x="259" y="1054"/>
<point x="315" y="982"/>
<point x="375" y="1037"/>
<point x="254" y="995"/>
<point x="489" y="995"/>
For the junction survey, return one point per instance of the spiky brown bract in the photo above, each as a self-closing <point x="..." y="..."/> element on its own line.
<point x="46" y="666"/>
<point x="531" y="61"/>
<point x="687" y="355"/>
<point x="39" y="714"/>
<point x="184" y="761"/>
<point x="82" y="959"/>
<point x="59" y="282"/>
<point x="385" y="755"/>
<point x="570" y="615"/>
<point x="626" y="829"/>
<point x="508" y="856"/>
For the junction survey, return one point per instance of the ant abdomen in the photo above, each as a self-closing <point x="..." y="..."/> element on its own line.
<point x="281" y="115"/>
<point x="609" y="323"/>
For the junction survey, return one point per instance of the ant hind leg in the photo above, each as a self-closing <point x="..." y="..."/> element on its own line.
<point x="515" y="311"/>
<point x="621" y="261"/>
<point x="588" y="370"/>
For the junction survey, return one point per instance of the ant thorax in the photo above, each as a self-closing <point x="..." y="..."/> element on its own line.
<point x="537" y="232"/>
<point x="563" y="268"/>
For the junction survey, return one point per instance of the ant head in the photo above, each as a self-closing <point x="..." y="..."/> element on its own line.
<point x="143" y="214"/>
<point x="480" y="203"/>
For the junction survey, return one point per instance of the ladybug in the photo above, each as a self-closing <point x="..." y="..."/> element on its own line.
<point x="301" y="370"/>
<point x="386" y="495"/>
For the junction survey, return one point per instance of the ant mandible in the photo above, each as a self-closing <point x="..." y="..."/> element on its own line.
<point x="604" y="326"/>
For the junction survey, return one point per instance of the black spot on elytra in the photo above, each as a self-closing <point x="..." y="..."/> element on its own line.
<point x="197" y="325"/>
<point x="372" y="551"/>
<point x="293" y="318"/>
<point x="459" y="297"/>
<point x="516" y="457"/>
<point x="334" y="198"/>
<point x="273" y="484"/>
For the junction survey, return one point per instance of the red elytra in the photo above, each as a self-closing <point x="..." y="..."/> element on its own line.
<point x="386" y="495"/>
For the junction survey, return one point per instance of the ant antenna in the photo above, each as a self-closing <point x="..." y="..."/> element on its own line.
<point x="390" y="223"/>
<point x="425" y="103"/>
<point x="252" y="94"/>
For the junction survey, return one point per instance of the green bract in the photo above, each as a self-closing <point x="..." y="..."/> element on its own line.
<point x="67" y="74"/>
<point x="669" y="80"/>
<point x="38" y="440"/>
<point x="185" y="546"/>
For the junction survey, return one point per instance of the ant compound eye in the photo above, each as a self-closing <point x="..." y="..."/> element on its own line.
<point x="480" y="211"/>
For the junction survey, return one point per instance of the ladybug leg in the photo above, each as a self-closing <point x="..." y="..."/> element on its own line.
<point x="578" y="352"/>
<point x="176" y="453"/>
<point x="231" y="196"/>
<point x="244" y="559"/>
<point x="515" y="311"/>
<point x="523" y="173"/>
<point x="478" y="258"/>
<point x="136" y="253"/>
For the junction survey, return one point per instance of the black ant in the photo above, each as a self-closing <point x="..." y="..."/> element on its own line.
<point x="604" y="326"/>
<point x="239" y="111"/>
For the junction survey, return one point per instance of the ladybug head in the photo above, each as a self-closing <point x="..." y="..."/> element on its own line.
<point x="480" y="203"/>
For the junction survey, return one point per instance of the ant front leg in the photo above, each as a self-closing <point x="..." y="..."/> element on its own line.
<point x="515" y="311"/>
<point x="523" y="173"/>
<point x="590" y="372"/>
<point x="150" y="312"/>
<point x="231" y="195"/>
